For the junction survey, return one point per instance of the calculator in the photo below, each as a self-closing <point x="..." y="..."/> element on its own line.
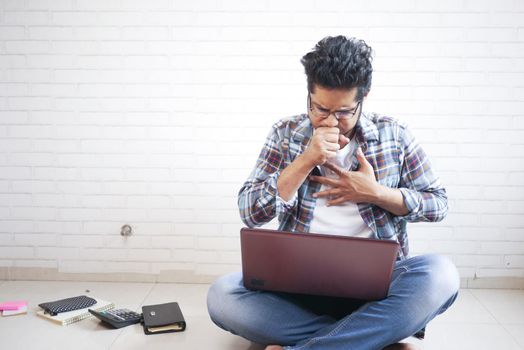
<point x="117" y="318"/>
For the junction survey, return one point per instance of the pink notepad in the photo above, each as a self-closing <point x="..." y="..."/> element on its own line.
<point x="13" y="305"/>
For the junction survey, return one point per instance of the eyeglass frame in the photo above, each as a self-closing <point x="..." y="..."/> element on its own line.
<point x="335" y="113"/>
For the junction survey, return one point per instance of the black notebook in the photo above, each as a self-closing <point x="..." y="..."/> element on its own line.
<point x="53" y="308"/>
<point x="163" y="318"/>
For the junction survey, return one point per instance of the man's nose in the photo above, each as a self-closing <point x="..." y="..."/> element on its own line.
<point x="330" y="121"/>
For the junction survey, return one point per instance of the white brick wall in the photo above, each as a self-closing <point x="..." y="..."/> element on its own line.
<point x="151" y="113"/>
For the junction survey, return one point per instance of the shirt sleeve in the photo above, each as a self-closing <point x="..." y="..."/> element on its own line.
<point x="424" y="195"/>
<point x="258" y="199"/>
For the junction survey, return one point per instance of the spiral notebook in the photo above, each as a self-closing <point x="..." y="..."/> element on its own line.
<point x="66" y="318"/>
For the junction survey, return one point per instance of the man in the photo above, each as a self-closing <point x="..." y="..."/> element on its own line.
<point x="338" y="170"/>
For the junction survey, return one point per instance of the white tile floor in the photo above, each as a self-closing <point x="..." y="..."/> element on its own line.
<point x="480" y="319"/>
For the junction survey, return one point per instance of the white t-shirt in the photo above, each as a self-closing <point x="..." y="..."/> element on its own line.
<point x="344" y="219"/>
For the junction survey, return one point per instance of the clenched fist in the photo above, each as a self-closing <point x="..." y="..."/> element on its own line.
<point x="324" y="144"/>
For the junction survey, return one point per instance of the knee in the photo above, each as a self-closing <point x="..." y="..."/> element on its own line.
<point x="443" y="277"/>
<point x="219" y="294"/>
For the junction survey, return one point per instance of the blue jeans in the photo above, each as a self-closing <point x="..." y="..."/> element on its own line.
<point x="421" y="288"/>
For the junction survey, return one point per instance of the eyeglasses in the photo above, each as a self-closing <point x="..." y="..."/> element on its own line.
<point x="324" y="113"/>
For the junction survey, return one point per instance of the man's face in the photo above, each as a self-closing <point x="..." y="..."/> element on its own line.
<point x="324" y="101"/>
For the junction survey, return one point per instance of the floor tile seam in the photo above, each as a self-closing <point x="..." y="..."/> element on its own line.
<point x="511" y="335"/>
<point x="486" y="308"/>
<point x="496" y="319"/>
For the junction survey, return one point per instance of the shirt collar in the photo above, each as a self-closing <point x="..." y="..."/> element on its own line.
<point x="304" y="130"/>
<point x="366" y="129"/>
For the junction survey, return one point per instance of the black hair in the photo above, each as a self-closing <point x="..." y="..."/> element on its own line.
<point x="339" y="62"/>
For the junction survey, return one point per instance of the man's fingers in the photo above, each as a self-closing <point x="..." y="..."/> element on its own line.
<point x="364" y="164"/>
<point x="330" y="155"/>
<point x="331" y="138"/>
<point x="332" y="146"/>
<point x="336" y="169"/>
<point x="361" y="158"/>
<point x="327" y="193"/>
<point x="342" y="141"/>
<point x="327" y="132"/>
<point x="325" y="180"/>
<point x="337" y="201"/>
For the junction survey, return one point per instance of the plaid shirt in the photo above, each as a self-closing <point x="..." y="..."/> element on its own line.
<point x="396" y="157"/>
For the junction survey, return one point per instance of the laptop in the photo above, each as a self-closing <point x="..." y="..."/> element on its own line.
<point x="317" y="264"/>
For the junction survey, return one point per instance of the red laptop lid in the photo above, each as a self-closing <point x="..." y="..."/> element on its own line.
<point x="317" y="264"/>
